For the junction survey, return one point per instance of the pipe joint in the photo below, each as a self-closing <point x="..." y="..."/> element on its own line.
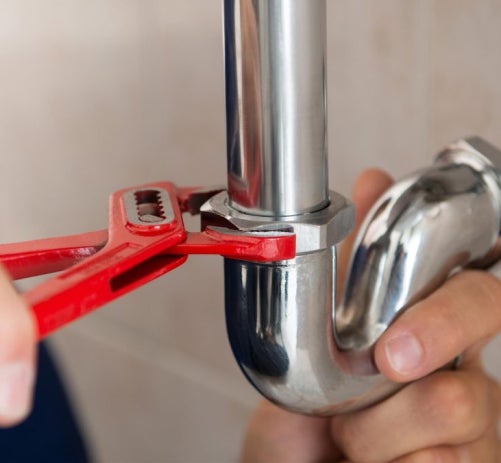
<point x="314" y="230"/>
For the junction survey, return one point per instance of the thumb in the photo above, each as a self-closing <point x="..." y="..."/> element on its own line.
<point x="368" y="187"/>
<point x="17" y="354"/>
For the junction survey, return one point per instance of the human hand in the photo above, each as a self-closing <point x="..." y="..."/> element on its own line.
<point x="446" y="416"/>
<point x="17" y="354"/>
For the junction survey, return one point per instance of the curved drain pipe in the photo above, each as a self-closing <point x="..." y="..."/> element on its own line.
<point x="286" y="334"/>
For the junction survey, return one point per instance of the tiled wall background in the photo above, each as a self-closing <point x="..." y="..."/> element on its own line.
<point x="100" y="94"/>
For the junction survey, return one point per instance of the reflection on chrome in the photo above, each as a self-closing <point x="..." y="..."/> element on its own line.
<point x="425" y="227"/>
<point x="288" y="338"/>
<point x="301" y="353"/>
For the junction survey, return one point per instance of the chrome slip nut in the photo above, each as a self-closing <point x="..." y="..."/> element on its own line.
<point x="314" y="230"/>
<point x="473" y="151"/>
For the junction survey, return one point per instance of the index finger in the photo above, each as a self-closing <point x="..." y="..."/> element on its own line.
<point x="461" y="314"/>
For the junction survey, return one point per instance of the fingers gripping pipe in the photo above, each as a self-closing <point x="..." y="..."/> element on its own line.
<point x="288" y="338"/>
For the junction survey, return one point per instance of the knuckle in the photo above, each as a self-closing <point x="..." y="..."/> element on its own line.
<point x="453" y="406"/>
<point x="350" y="439"/>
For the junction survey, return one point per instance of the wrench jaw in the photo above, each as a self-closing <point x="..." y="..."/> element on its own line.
<point x="130" y="258"/>
<point x="148" y="208"/>
<point x="145" y="239"/>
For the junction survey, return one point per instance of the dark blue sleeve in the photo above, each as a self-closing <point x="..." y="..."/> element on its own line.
<point x="51" y="433"/>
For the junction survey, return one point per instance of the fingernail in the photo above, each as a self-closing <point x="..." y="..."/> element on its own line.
<point x="404" y="353"/>
<point x="16" y="382"/>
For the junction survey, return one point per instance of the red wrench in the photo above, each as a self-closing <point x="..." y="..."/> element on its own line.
<point x="145" y="239"/>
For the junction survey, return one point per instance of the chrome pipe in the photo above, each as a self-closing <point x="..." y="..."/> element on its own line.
<point x="289" y="339"/>
<point x="304" y="354"/>
<point x="282" y="335"/>
<point x="276" y="106"/>
<point x="278" y="314"/>
<point x="424" y="228"/>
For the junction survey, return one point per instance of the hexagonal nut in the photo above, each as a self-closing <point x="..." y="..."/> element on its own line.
<point x="474" y="151"/>
<point x="314" y="231"/>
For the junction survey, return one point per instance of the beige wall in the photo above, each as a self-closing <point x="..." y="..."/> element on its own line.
<point x="100" y="94"/>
